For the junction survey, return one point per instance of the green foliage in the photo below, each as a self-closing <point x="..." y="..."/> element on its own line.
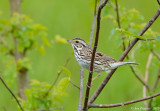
<point x="37" y="99"/>
<point x="154" y="44"/>
<point x="23" y="63"/>
<point x="28" y="34"/>
<point x="129" y="27"/>
<point x="59" y="39"/>
<point x="129" y="34"/>
<point x="66" y="71"/>
<point x="131" y="22"/>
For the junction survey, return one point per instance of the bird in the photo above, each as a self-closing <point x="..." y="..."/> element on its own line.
<point x="102" y="62"/>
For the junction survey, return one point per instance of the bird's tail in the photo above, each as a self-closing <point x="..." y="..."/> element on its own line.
<point x="117" y="64"/>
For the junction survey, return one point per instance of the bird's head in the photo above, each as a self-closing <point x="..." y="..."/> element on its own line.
<point x="78" y="43"/>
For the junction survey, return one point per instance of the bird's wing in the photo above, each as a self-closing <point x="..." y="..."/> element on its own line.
<point x="104" y="59"/>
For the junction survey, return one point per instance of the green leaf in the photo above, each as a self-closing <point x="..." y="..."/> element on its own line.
<point x="129" y="33"/>
<point x="60" y="39"/>
<point x="41" y="49"/>
<point x="35" y="82"/>
<point x="23" y="63"/>
<point x="45" y="41"/>
<point x="67" y="71"/>
<point x="62" y="85"/>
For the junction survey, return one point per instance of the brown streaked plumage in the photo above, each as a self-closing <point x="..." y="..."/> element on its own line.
<point x="102" y="62"/>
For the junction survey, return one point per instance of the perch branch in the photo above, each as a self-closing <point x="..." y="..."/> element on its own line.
<point x="105" y="81"/>
<point x="81" y="89"/>
<point x="11" y="93"/>
<point x="85" y="108"/>
<point x="90" y="43"/>
<point x="124" y="103"/>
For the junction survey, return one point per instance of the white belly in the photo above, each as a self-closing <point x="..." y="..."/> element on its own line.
<point x="83" y="64"/>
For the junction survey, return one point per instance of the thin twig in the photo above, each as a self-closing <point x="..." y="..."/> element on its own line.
<point x="94" y="22"/>
<point x="157" y="79"/>
<point x="119" y="24"/>
<point x="58" y="74"/>
<point x="118" y="17"/>
<point x="146" y="79"/>
<point x="75" y="85"/>
<point x="158" y="2"/>
<point x="85" y="108"/>
<point x="81" y="89"/>
<point x="155" y="54"/>
<point x="147" y="39"/>
<point x="11" y="93"/>
<point x="140" y="79"/>
<point x="124" y="103"/>
<point x="112" y="5"/>
<point x="105" y="81"/>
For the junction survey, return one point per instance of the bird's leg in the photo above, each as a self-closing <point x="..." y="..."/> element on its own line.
<point x="96" y="76"/>
<point x="93" y="80"/>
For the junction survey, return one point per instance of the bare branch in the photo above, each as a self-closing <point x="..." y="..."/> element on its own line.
<point x="90" y="43"/>
<point x="147" y="39"/>
<point x="146" y="78"/>
<point x="155" y="54"/>
<point x="10" y="91"/>
<point x="124" y="103"/>
<point x="94" y="22"/>
<point x="75" y="85"/>
<point x="105" y="81"/>
<point x="85" y="108"/>
<point x="140" y="79"/>
<point x="81" y="90"/>
<point x="118" y="17"/>
<point x="158" y="2"/>
<point x="157" y="79"/>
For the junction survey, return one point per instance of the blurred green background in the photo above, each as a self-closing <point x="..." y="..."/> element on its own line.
<point x="73" y="18"/>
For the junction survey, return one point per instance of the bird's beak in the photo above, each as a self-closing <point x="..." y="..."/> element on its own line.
<point x="70" y="40"/>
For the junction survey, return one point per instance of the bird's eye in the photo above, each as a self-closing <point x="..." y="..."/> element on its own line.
<point x="77" y="41"/>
